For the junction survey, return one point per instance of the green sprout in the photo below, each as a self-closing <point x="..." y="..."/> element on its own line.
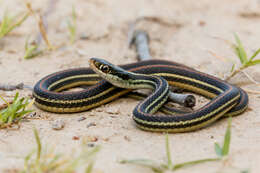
<point x="15" y="111"/>
<point x="162" y="167"/>
<point x="224" y="150"/>
<point x="31" y="50"/>
<point x="243" y="57"/>
<point x="45" y="162"/>
<point x="72" y="26"/>
<point x="9" y="23"/>
<point x="170" y="166"/>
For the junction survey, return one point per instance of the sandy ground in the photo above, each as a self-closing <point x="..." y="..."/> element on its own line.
<point x="186" y="32"/>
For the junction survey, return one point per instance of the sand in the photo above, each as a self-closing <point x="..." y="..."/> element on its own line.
<point x="185" y="31"/>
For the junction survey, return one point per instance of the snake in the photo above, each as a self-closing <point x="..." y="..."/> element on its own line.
<point x="107" y="82"/>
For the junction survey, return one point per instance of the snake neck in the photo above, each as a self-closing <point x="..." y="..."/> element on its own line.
<point x="160" y="92"/>
<point x="158" y="84"/>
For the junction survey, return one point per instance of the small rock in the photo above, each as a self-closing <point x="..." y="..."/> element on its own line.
<point x="36" y="74"/>
<point x="32" y="114"/>
<point x="91" y="124"/>
<point x="82" y="118"/>
<point x="81" y="52"/>
<point x="127" y="138"/>
<point x="58" y="124"/>
<point x="11" y="51"/>
<point x="106" y="139"/>
<point x="91" y="144"/>
<point x="202" y="23"/>
<point x="112" y="110"/>
<point x="100" y="109"/>
<point x="112" y="116"/>
<point x="92" y="114"/>
<point x="84" y="37"/>
<point x="75" y="138"/>
<point x="91" y="139"/>
<point x="249" y="109"/>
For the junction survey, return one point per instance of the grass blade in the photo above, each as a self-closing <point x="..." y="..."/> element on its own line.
<point x="89" y="168"/>
<point x="254" y="62"/>
<point x="4" y="24"/>
<point x="10" y="23"/>
<point x="225" y="148"/>
<point x="190" y="163"/>
<point x="146" y="163"/>
<point x="245" y="171"/>
<point x="168" y="152"/>
<point x="44" y="33"/>
<point x="53" y="162"/>
<point x="82" y="159"/>
<point x="15" y="111"/>
<point x="31" y="49"/>
<point x="240" y="50"/>
<point x="254" y="55"/>
<point x="6" y="102"/>
<point x="218" y="150"/>
<point x="233" y="67"/>
<point x="26" y="161"/>
<point x="18" y="23"/>
<point x="39" y="145"/>
<point x="47" y="162"/>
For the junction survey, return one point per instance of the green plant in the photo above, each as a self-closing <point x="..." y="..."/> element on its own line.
<point x="170" y="166"/>
<point x="9" y="23"/>
<point x="47" y="162"/>
<point x="160" y="168"/>
<point x="14" y="111"/>
<point x="245" y="61"/>
<point x="224" y="150"/>
<point x="31" y="50"/>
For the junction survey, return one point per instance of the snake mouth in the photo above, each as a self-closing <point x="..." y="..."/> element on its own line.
<point x="95" y="65"/>
<point x="92" y="63"/>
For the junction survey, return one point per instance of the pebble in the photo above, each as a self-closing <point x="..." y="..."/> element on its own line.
<point x="91" y="124"/>
<point x="112" y="110"/>
<point x="58" y="124"/>
<point x="82" y="118"/>
<point x="91" y="139"/>
<point x="106" y="139"/>
<point x="127" y="138"/>
<point x="75" y="138"/>
<point x="32" y="114"/>
<point x="91" y="144"/>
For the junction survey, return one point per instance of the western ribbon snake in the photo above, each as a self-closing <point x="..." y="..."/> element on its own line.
<point x="226" y="99"/>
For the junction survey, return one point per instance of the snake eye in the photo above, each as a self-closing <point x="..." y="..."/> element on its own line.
<point x="105" y="68"/>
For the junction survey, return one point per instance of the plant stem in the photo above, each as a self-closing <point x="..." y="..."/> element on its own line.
<point x="235" y="72"/>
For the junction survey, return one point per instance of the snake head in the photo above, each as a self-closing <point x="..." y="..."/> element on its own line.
<point x="109" y="72"/>
<point x="100" y="65"/>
